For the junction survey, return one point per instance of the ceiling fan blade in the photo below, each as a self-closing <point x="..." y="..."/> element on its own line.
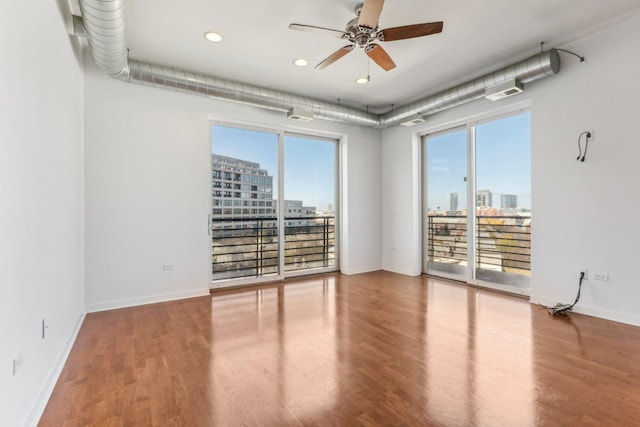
<point x="370" y="13"/>
<point x="380" y="56"/>
<point x="320" y="30"/>
<point x="334" y="56"/>
<point x="410" y="31"/>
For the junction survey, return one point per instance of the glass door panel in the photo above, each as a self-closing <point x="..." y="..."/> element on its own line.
<point x="309" y="203"/>
<point x="244" y="220"/>
<point x="446" y="184"/>
<point x="503" y="200"/>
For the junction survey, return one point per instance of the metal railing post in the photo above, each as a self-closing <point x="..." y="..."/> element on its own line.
<point x="325" y="241"/>
<point x="477" y="251"/>
<point x="258" y="257"/>
<point x="430" y="250"/>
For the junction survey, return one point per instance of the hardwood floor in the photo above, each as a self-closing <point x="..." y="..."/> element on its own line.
<point x="332" y="350"/>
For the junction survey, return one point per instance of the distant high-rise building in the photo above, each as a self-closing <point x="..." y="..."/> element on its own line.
<point x="483" y="198"/>
<point x="294" y="208"/>
<point x="241" y="189"/>
<point x="453" y="202"/>
<point x="508" y="201"/>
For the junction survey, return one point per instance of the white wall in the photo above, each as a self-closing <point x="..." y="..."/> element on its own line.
<point x="147" y="190"/>
<point x="588" y="212"/>
<point x="361" y="241"/>
<point x="146" y="186"/>
<point x="584" y="214"/>
<point x="41" y="211"/>
<point x="401" y="201"/>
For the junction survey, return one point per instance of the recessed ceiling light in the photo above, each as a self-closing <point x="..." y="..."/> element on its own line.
<point x="363" y="80"/>
<point x="212" y="36"/>
<point x="300" y="62"/>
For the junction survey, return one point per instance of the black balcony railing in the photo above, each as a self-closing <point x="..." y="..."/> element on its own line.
<point x="248" y="247"/>
<point x="309" y="242"/>
<point x="503" y="243"/>
<point x="447" y="239"/>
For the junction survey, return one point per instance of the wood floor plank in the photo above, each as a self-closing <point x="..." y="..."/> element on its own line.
<point x="370" y="349"/>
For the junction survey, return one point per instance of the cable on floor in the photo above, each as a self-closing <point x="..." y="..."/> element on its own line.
<point x="562" y="309"/>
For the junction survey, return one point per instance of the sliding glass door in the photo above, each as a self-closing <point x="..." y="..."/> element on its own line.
<point x="478" y="202"/>
<point x="244" y="216"/>
<point x="503" y="200"/>
<point x="446" y="210"/>
<point x="273" y="205"/>
<point x="310" y="195"/>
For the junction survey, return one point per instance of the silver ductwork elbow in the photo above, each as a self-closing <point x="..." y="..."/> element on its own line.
<point x="106" y="30"/>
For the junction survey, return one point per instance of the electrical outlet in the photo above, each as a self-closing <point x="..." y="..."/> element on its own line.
<point x="601" y="276"/>
<point x="17" y="363"/>
<point x="585" y="271"/>
<point x="167" y="267"/>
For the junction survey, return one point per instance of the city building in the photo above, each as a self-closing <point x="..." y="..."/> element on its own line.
<point x="483" y="198"/>
<point x="508" y="201"/>
<point x="453" y="202"/>
<point x="242" y="189"/>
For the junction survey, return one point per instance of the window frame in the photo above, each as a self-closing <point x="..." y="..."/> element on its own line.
<point x="283" y="132"/>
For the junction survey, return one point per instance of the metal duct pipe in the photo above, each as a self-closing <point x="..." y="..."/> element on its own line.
<point x="105" y="26"/>
<point x="104" y="23"/>
<point x="533" y="68"/>
<point x="242" y="93"/>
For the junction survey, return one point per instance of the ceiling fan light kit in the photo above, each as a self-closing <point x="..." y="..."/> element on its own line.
<point x="364" y="32"/>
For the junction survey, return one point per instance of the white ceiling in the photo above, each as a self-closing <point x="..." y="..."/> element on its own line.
<point x="258" y="46"/>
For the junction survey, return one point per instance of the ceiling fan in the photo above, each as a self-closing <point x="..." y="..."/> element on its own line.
<point x="364" y="31"/>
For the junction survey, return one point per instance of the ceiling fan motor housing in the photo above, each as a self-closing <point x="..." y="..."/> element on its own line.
<point x="360" y="35"/>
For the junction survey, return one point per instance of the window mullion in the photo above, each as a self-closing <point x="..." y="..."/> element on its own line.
<point x="471" y="202"/>
<point x="281" y="222"/>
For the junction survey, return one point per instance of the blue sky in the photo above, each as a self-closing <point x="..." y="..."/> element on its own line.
<point x="309" y="164"/>
<point x="503" y="164"/>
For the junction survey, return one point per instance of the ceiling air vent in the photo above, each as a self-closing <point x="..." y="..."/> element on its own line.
<point x="508" y="88"/>
<point x="413" y="120"/>
<point x="300" y="114"/>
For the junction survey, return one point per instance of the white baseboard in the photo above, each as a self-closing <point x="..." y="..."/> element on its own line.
<point x="629" y="319"/>
<point x="45" y="393"/>
<point x="132" y="302"/>
<point x="412" y="273"/>
<point x="359" y="270"/>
